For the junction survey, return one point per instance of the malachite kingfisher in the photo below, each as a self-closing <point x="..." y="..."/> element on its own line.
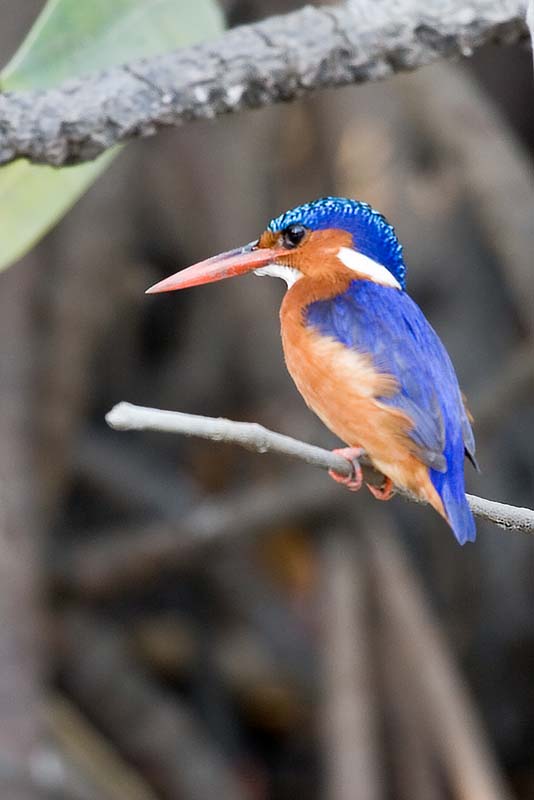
<point x="360" y="351"/>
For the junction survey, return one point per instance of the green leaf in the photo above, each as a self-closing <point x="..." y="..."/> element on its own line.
<point x="68" y="39"/>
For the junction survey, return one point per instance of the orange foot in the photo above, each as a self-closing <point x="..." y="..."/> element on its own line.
<point x="354" y="480"/>
<point x="384" y="492"/>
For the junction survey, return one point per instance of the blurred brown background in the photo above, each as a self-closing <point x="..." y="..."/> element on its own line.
<point x="181" y="619"/>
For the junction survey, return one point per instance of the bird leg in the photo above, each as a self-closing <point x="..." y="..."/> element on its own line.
<point x="354" y="480"/>
<point x="384" y="492"/>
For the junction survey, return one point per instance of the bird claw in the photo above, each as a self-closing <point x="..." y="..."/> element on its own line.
<point x="384" y="492"/>
<point x="353" y="482"/>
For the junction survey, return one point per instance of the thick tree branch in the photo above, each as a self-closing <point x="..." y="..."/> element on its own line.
<point x="249" y="67"/>
<point x="126" y="416"/>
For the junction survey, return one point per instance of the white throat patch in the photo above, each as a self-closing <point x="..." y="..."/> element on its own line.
<point x="357" y="262"/>
<point x="288" y="274"/>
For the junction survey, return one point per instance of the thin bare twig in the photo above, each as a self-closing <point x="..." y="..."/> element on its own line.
<point x="275" y="60"/>
<point x="252" y="436"/>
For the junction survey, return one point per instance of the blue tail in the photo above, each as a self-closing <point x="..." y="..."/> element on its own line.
<point x="450" y="487"/>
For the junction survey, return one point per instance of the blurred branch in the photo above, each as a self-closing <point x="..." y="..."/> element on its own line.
<point x="415" y="772"/>
<point x="353" y="768"/>
<point x="79" y="319"/>
<point x="530" y="20"/>
<point x="87" y="752"/>
<point x="439" y="694"/>
<point x="114" y="559"/>
<point x="126" y="416"/>
<point x="140" y="479"/>
<point x="516" y="380"/>
<point x="122" y="556"/>
<point x="21" y="626"/>
<point x="245" y="588"/>
<point x="249" y="67"/>
<point x="154" y="730"/>
<point x="495" y="168"/>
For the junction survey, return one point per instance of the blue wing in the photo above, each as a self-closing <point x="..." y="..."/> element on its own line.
<point x="386" y="324"/>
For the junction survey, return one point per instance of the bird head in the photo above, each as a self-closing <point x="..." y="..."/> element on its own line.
<point x="332" y="239"/>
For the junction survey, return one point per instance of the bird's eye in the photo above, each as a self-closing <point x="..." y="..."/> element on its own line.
<point x="293" y="235"/>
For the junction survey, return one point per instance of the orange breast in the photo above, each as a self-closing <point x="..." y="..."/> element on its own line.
<point x="342" y="386"/>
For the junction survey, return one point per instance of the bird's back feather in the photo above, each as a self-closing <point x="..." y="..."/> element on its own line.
<point x="387" y="325"/>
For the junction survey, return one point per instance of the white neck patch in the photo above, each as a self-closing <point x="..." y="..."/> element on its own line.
<point x="364" y="265"/>
<point x="288" y="274"/>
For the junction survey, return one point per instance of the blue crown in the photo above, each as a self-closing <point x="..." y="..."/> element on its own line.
<point x="371" y="233"/>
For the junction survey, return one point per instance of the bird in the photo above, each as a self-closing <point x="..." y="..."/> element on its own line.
<point x="360" y="350"/>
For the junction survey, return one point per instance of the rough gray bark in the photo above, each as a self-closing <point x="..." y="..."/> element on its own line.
<point x="252" y="66"/>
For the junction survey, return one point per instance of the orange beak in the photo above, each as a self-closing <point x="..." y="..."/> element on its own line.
<point x="226" y="265"/>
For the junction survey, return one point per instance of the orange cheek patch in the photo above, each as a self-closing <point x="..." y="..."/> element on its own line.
<point x="317" y="256"/>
